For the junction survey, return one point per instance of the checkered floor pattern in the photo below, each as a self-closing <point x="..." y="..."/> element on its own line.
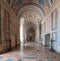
<point x="30" y="54"/>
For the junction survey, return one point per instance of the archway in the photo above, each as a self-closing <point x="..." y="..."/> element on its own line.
<point x="31" y="35"/>
<point x="29" y="31"/>
<point x="30" y="27"/>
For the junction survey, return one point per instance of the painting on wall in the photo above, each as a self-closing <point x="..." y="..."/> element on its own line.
<point x="6" y="24"/>
<point x="47" y="25"/>
<point x="54" y="22"/>
<point x="6" y="20"/>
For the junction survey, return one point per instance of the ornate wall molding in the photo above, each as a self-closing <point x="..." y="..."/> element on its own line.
<point x="53" y="7"/>
<point x="30" y="8"/>
<point x="5" y="5"/>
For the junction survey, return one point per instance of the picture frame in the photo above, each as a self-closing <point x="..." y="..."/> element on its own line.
<point x="54" y="22"/>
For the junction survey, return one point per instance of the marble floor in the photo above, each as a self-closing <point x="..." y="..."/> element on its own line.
<point x="33" y="52"/>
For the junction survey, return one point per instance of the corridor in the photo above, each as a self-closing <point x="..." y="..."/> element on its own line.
<point x="35" y="52"/>
<point x="29" y="29"/>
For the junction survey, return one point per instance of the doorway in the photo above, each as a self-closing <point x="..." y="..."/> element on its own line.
<point x="15" y="40"/>
<point x="47" y="39"/>
<point x="31" y="35"/>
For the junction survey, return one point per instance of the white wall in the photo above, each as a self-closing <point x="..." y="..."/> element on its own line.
<point x="57" y="43"/>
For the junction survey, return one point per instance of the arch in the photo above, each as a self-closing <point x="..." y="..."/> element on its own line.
<point x="28" y="4"/>
<point x="30" y="8"/>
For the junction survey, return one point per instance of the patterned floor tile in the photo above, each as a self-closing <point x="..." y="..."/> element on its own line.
<point x="29" y="59"/>
<point x="10" y="60"/>
<point x="50" y="60"/>
<point x="37" y="54"/>
<point x="1" y="57"/>
<point x="19" y="60"/>
<point x="40" y="59"/>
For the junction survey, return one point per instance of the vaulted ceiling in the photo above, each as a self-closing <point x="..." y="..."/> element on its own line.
<point x="44" y="5"/>
<point x="32" y="11"/>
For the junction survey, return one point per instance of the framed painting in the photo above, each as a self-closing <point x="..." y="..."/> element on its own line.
<point x="54" y="22"/>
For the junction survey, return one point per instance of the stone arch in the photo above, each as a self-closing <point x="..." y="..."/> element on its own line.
<point x="30" y="8"/>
